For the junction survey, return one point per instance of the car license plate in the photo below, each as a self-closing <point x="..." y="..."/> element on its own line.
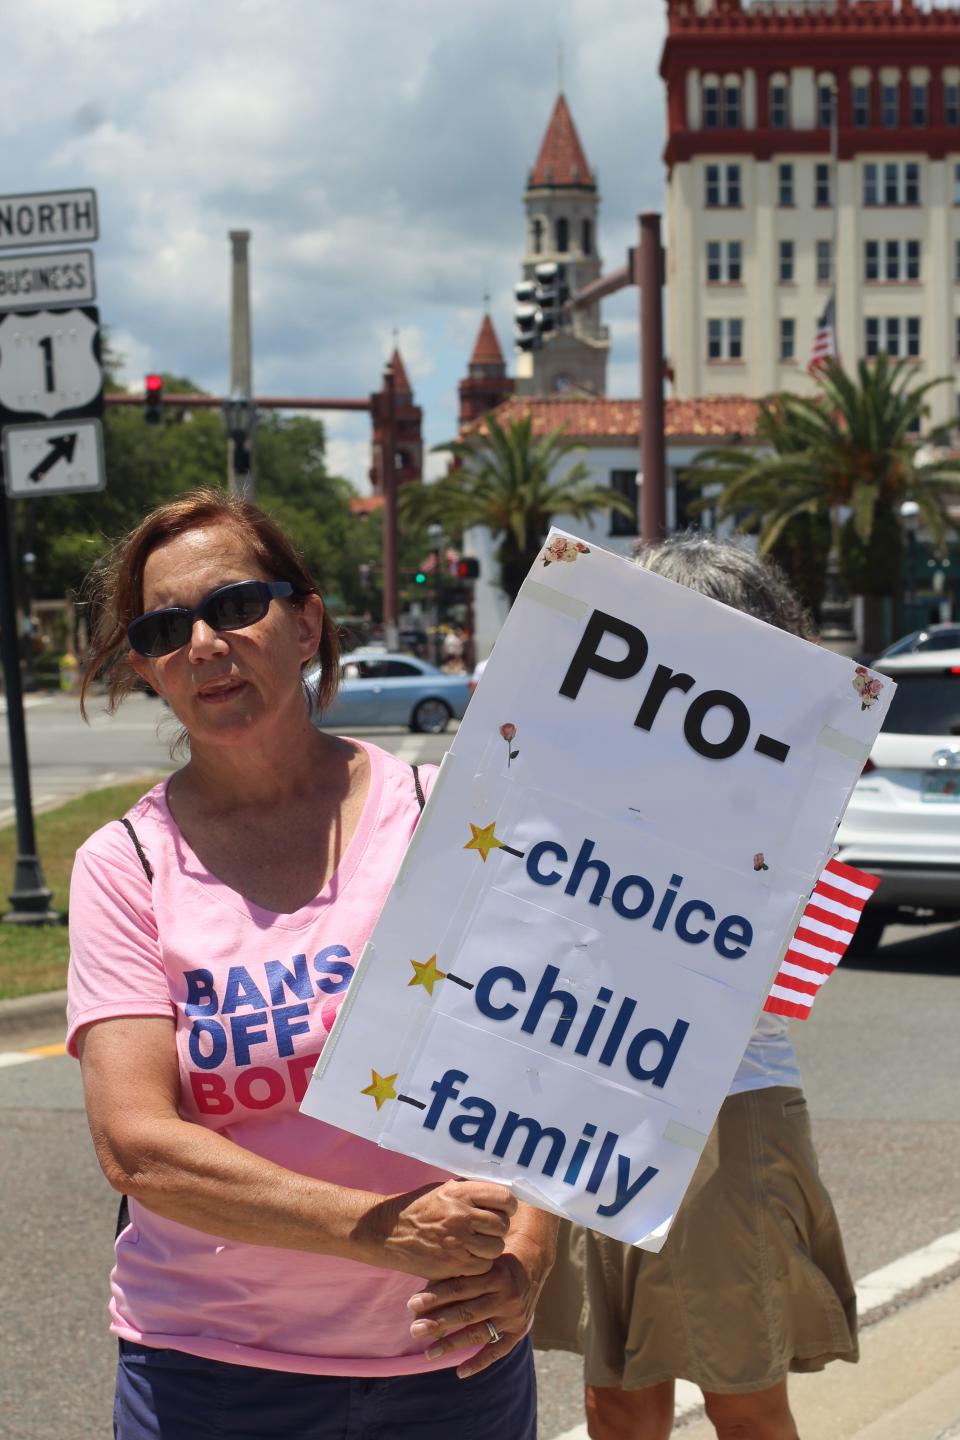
<point x="941" y="787"/>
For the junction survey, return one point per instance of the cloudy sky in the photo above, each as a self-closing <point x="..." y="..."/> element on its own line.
<point x="376" y="149"/>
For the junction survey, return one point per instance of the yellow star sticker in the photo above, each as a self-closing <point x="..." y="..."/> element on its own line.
<point x="381" y="1088"/>
<point x="426" y="974"/>
<point x="484" y="840"/>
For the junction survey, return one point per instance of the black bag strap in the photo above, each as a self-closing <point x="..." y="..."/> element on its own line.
<point x="147" y="870"/>
<point x="421" y="798"/>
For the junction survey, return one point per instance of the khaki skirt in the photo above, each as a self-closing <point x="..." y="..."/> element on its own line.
<point x="751" y="1283"/>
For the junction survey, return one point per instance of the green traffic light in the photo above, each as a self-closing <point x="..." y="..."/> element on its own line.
<point x="420" y="578"/>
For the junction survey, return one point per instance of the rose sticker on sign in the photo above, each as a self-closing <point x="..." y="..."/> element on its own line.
<point x="572" y="958"/>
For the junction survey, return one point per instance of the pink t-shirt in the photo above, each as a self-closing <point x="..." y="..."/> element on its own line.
<point x="254" y="995"/>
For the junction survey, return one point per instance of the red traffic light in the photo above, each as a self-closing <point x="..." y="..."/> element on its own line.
<point x="153" y="396"/>
<point x="153" y="385"/>
<point x="468" y="568"/>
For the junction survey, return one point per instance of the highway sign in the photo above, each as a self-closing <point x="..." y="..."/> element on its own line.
<point x="53" y="217"/>
<point x="59" y="459"/>
<point x="63" y="277"/>
<point x="50" y="365"/>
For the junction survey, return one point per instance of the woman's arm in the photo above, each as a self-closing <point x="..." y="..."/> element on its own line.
<point x="453" y="1313"/>
<point x="187" y="1173"/>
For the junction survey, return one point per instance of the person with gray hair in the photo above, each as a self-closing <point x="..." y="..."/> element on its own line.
<point x="752" y="1281"/>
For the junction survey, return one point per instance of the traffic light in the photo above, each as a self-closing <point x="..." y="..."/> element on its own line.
<point x="546" y="295"/>
<point x="526" y="316"/>
<point x="468" y="568"/>
<point x="420" y="578"/>
<point x="153" y="396"/>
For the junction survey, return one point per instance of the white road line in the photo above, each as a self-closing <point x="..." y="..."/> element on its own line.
<point x="17" y="1057"/>
<point x="874" y="1291"/>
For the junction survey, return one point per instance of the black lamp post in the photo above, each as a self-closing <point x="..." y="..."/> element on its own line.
<point x="29" y="562"/>
<point x="438" y="541"/>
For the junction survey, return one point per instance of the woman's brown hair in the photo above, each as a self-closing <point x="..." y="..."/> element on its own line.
<point x="115" y="587"/>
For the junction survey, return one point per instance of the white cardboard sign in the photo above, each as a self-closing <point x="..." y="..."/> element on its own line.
<point x="566" y="973"/>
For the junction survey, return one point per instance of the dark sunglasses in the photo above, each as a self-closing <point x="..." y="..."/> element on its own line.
<point x="232" y="607"/>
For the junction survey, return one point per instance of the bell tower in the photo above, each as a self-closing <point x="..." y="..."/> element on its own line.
<point x="561" y="204"/>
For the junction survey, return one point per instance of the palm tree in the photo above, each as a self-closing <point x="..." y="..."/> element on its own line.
<point x="507" y="484"/>
<point x="848" y="456"/>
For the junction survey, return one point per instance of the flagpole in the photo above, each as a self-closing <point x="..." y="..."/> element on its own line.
<point x="835" y="195"/>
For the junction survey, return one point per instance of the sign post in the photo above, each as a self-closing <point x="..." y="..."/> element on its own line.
<point x="51" y="400"/>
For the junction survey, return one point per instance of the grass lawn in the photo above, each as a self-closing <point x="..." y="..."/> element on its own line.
<point x="34" y="957"/>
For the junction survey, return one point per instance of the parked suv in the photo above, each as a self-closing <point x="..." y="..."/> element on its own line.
<point x="903" y="820"/>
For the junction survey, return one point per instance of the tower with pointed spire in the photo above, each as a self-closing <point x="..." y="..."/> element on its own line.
<point x="487" y="383"/>
<point x="561" y="204"/>
<point x="407" y="428"/>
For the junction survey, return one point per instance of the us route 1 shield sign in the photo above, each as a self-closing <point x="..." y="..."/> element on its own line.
<point x="63" y="458"/>
<point x="50" y="365"/>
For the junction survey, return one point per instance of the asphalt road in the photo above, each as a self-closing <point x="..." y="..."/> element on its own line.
<point x="880" y="1059"/>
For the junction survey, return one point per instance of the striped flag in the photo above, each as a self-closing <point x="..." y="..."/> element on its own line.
<point x="825" y="930"/>
<point x="825" y="340"/>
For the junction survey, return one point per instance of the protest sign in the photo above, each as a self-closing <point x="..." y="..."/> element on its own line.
<point x="565" y="975"/>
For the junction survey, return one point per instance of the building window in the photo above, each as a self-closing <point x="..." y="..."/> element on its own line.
<point x="624" y="482"/>
<point x="894" y="183"/>
<point x="788" y="338"/>
<point x="824" y="262"/>
<point x="724" y="262"/>
<point x="724" y="339"/>
<point x="951" y="103"/>
<point x="890" y="106"/>
<point x="825" y="104"/>
<point x="861" y="106"/>
<point x="537" y="229"/>
<point x="563" y="235"/>
<point x="784" y="185"/>
<point x="711" y="105"/>
<point x="779" y="105"/>
<point x="586" y="237"/>
<point x="894" y="261"/>
<point x="891" y="335"/>
<point x="871" y="261"/>
<point x="731" y="106"/>
<point x="911" y="264"/>
<point x="785" y="264"/>
<point x="821" y="186"/>
<point x="956" y="184"/>
<point x="918" y="104"/>
<point x="722" y="185"/>
<point x="891" y="261"/>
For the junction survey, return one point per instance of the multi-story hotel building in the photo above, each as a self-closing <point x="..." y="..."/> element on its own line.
<point x="771" y="204"/>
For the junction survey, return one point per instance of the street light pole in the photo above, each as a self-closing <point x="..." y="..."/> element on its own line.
<point x="653" y="507"/>
<point x="240" y="478"/>
<point x="438" y="541"/>
<point x="29" y="561"/>
<point x="388" y="482"/>
<point x="30" y="896"/>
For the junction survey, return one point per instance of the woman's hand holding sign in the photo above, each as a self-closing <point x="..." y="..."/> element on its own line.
<point x="457" y="1228"/>
<point x="458" y="1313"/>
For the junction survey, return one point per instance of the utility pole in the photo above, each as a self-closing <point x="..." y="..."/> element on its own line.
<point x="388" y="481"/>
<point x="241" y="415"/>
<point x="653" y="508"/>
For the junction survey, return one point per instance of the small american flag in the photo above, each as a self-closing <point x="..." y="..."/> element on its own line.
<point x="826" y="928"/>
<point x="825" y="340"/>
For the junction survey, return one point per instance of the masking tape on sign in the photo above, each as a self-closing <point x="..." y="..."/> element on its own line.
<point x="554" y="599"/>
<point x="845" y="745"/>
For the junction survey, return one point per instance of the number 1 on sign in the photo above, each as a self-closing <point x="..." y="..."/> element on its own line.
<point x="46" y="345"/>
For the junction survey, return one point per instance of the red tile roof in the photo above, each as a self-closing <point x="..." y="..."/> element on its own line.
<point x="704" y="418"/>
<point x="561" y="160"/>
<point x="487" y="350"/>
<point x="402" y="385"/>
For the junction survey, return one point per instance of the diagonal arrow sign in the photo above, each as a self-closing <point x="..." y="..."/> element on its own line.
<point x="61" y="448"/>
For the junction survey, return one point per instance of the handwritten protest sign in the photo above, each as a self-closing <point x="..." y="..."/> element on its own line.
<point x="568" y="968"/>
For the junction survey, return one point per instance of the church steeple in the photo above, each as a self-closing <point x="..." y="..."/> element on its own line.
<point x="561" y="203"/>
<point x="487" y="382"/>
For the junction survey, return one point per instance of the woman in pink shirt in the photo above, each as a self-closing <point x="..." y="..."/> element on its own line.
<point x="274" y="1275"/>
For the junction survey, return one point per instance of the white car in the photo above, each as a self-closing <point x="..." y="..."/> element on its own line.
<point x="903" y="820"/>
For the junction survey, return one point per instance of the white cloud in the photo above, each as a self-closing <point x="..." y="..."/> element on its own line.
<point x="377" y="153"/>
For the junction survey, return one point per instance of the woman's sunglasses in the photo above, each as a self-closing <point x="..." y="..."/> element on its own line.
<point x="232" y="607"/>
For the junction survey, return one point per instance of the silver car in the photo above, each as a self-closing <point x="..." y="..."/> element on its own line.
<point x="382" y="688"/>
<point x="903" y="820"/>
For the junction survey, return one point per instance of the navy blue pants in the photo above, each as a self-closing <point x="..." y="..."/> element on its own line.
<point x="167" y="1395"/>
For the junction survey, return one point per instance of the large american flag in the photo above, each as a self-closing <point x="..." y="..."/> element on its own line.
<point x="825" y="340"/>
<point x="825" y="930"/>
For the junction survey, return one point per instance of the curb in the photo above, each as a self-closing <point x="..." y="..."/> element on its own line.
<point x="29" y="1012"/>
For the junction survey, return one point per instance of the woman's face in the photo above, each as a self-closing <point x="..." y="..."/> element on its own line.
<point x="224" y="685"/>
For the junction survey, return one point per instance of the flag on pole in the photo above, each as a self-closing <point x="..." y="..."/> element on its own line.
<point x="825" y="930"/>
<point x="825" y="340"/>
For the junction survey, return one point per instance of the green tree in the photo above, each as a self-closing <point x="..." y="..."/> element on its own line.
<point x="508" y="484"/>
<point x="840" y="464"/>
